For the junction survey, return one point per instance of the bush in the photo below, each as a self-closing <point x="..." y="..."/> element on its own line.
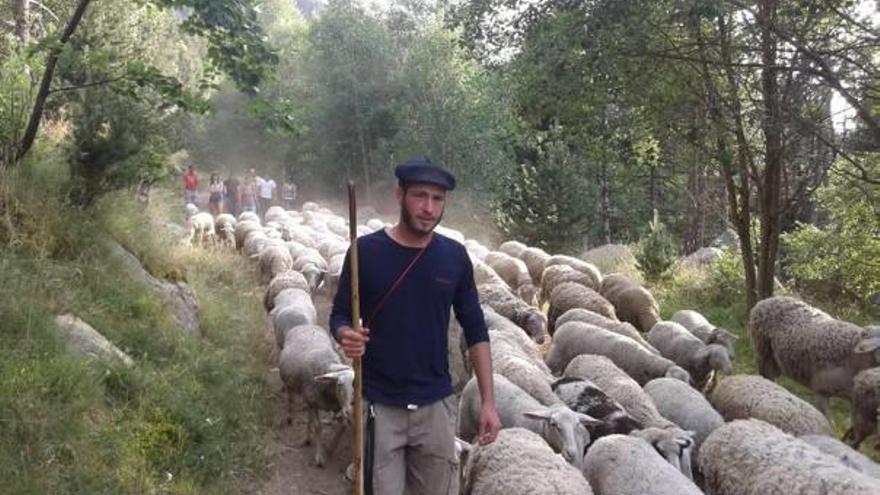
<point x="657" y="251"/>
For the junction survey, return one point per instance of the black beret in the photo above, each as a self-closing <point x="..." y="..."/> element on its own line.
<point x="423" y="170"/>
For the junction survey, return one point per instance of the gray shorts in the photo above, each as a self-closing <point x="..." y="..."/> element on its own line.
<point x="415" y="449"/>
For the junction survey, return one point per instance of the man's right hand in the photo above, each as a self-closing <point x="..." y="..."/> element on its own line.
<point x="353" y="343"/>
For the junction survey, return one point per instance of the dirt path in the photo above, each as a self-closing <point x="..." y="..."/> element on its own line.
<point x="293" y="469"/>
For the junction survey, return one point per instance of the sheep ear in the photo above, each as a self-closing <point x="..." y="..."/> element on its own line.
<point x="541" y="415"/>
<point x="588" y="420"/>
<point x="462" y="447"/>
<point x="333" y="376"/>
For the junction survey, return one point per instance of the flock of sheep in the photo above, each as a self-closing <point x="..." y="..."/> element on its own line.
<point x="600" y="395"/>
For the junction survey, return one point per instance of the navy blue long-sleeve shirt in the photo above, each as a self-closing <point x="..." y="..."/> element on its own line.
<point x="406" y="358"/>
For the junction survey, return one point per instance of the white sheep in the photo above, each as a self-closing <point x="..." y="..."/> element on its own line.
<point x="557" y="274"/>
<point x="570" y="295"/>
<point x="575" y="338"/>
<point x="621" y="327"/>
<point x="293" y="308"/>
<point x="285" y="280"/>
<point x="751" y="457"/>
<point x="671" y="441"/>
<point x="310" y="367"/>
<point x="526" y="375"/>
<point x="844" y="453"/>
<point x="505" y="303"/>
<point x="627" y="465"/>
<point x="312" y="265"/>
<point x="685" y="349"/>
<point x="248" y="216"/>
<point x="519" y="462"/>
<point x="191" y="209"/>
<point x="563" y="429"/>
<point x="224" y="224"/>
<point x="684" y="406"/>
<point x="275" y="214"/>
<point x="243" y="229"/>
<point x="274" y="259"/>
<point x="865" y="414"/>
<point x="632" y="302"/>
<point x="579" y="265"/>
<point x="535" y="258"/>
<point x="512" y="270"/>
<point x="201" y="228"/>
<point x="485" y="275"/>
<point x="698" y="325"/>
<point x="794" y="339"/>
<point x="513" y="248"/>
<point x="254" y="243"/>
<point x="510" y="332"/>
<point x="476" y="249"/>
<point x="751" y="396"/>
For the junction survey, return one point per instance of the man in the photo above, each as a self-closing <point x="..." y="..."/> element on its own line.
<point x="410" y="276"/>
<point x="267" y="193"/>
<point x="190" y="186"/>
<point x="288" y="193"/>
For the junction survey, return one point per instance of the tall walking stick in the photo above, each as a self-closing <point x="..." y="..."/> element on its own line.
<point x="358" y="452"/>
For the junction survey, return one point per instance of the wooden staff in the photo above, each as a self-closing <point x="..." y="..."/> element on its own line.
<point x="358" y="413"/>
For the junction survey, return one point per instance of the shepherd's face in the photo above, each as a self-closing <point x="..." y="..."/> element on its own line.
<point x="421" y="206"/>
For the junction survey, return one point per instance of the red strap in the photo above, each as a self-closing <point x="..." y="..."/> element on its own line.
<point x="394" y="286"/>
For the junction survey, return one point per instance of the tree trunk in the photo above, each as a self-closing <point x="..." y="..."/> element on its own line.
<point x="22" y="24"/>
<point x="30" y="133"/>
<point x="772" y="129"/>
<point x="605" y="206"/>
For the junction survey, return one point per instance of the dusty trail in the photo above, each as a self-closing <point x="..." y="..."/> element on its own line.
<point x="293" y="469"/>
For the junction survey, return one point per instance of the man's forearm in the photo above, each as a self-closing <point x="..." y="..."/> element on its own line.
<point x="481" y="357"/>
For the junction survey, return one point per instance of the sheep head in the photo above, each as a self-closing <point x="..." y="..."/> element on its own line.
<point x="673" y="444"/>
<point x="566" y="431"/>
<point x="679" y="373"/>
<point x="342" y="378"/>
<point x="535" y="325"/>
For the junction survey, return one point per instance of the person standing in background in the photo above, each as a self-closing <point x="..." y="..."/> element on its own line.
<point x="249" y="192"/>
<point x="288" y="194"/>
<point x="266" y="188"/>
<point x="215" y="198"/>
<point x="190" y="186"/>
<point x="232" y="197"/>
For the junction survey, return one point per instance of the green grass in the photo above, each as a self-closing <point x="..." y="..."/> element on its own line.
<point x="191" y="416"/>
<point x="717" y="294"/>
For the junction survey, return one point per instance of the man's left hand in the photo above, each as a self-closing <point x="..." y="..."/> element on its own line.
<point x="489" y="424"/>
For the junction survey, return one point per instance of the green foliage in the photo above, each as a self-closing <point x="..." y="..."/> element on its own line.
<point x="657" y="251"/>
<point x="840" y="258"/>
<point x="16" y="95"/>
<point x="191" y="415"/>
<point x="541" y="202"/>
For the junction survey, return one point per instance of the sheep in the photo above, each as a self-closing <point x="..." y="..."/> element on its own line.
<point x="684" y="406"/>
<point x="512" y="270"/>
<point x="563" y="429"/>
<point x="254" y="243"/>
<point x="310" y="367"/>
<point x="865" y="414"/>
<point x="626" y="465"/>
<point x="751" y="396"/>
<point x="529" y="318"/>
<point x="686" y="350"/>
<point x="312" y="265"/>
<point x="751" y="457"/>
<point x="619" y="386"/>
<point x="557" y="274"/>
<point x="475" y="249"/>
<point x="331" y="247"/>
<point x="513" y="248"/>
<point x="668" y="438"/>
<point x="248" y="216"/>
<point x="289" y="279"/>
<point x="632" y="302"/>
<point x="621" y="327"/>
<point x="450" y="233"/>
<point x="583" y="396"/>
<point x="579" y="265"/>
<point x="698" y="325"/>
<point x="334" y="272"/>
<point x="844" y="453"/>
<point x="293" y="307"/>
<point x="201" y="228"/>
<point x="274" y="213"/>
<point x="535" y="258"/>
<point x="485" y="275"/>
<point x="191" y="209"/>
<point x="243" y="229"/>
<point x="519" y="462"/>
<point x="528" y="376"/>
<point x="274" y="259"/>
<point x="224" y="224"/>
<point x="642" y="365"/>
<point x="794" y="339"/>
<point x="569" y="295"/>
<point x="510" y="332"/>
